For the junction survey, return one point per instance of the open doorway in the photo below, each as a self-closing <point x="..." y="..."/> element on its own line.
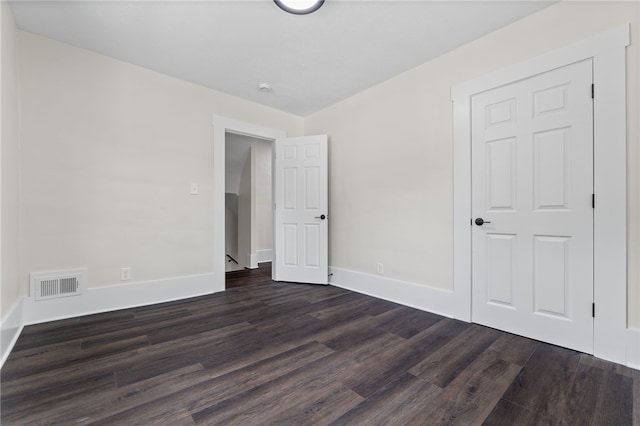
<point x="222" y="126"/>
<point x="302" y="248"/>
<point x="248" y="202"/>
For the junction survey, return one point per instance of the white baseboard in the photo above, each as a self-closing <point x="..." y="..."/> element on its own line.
<point x="265" y="255"/>
<point x="112" y="298"/>
<point x="425" y="298"/>
<point x="10" y="329"/>
<point x="633" y="348"/>
<point x="252" y="261"/>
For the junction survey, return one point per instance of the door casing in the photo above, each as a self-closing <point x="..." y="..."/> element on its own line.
<point x="222" y="125"/>
<point x="607" y="50"/>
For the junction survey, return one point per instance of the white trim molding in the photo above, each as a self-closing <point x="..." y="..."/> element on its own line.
<point x="115" y="297"/>
<point x="425" y="298"/>
<point x="251" y="261"/>
<point x="607" y="51"/>
<point x="265" y="255"/>
<point x="633" y="348"/>
<point x="10" y="330"/>
<point x="222" y="125"/>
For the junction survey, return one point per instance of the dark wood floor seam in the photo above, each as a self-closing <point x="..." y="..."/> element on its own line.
<point x="531" y="412"/>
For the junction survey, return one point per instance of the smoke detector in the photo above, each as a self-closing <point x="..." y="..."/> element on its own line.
<point x="264" y="88"/>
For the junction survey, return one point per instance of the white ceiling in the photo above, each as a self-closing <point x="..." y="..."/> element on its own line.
<point x="311" y="61"/>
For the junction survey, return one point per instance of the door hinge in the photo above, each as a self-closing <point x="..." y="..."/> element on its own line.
<point x="593" y="310"/>
<point x="593" y="201"/>
<point x="593" y="91"/>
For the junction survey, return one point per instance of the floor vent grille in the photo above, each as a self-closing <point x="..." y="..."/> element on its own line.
<point x="51" y="285"/>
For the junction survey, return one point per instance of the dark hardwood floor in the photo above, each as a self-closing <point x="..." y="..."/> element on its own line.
<point x="266" y="353"/>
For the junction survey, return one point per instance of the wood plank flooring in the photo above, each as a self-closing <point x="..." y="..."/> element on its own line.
<point x="265" y="353"/>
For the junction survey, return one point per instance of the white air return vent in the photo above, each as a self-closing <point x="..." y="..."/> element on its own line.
<point x="51" y="285"/>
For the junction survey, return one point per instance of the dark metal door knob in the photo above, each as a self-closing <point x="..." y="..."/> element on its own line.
<point x="321" y="217"/>
<point x="480" y="221"/>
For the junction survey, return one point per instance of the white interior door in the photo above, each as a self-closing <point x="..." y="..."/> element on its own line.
<point x="532" y="185"/>
<point x="301" y="210"/>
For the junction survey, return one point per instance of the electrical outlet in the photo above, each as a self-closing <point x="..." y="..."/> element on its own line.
<point x="125" y="273"/>
<point x="194" y="189"/>
<point x="380" y="268"/>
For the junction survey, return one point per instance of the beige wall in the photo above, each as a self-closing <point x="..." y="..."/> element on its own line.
<point x="109" y="151"/>
<point x="391" y="149"/>
<point x="246" y="209"/>
<point x="255" y="228"/>
<point x="9" y="195"/>
<point x="231" y="238"/>
<point x="264" y="210"/>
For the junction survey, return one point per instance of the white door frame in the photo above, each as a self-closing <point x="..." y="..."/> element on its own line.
<point x="610" y="179"/>
<point x="222" y="125"/>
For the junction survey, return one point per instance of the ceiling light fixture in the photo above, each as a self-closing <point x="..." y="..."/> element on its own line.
<point x="299" y="7"/>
